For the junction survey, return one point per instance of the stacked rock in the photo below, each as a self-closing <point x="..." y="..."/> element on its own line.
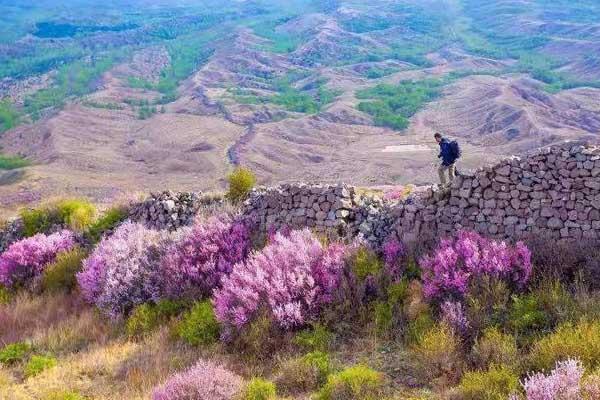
<point x="10" y="232"/>
<point x="555" y="192"/>
<point x="374" y="219"/>
<point x="167" y="210"/>
<point x="302" y="205"/>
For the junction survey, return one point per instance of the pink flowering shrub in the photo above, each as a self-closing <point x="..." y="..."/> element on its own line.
<point x="205" y="380"/>
<point x="198" y="260"/>
<point x="124" y="270"/>
<point x="563" y="383"/>
<point x="291" y="278"/>
<point x="453" y="314"/>
<point x="456" y="262"/>
<point x="394" y="257"/>
<point x="25" y="260"/>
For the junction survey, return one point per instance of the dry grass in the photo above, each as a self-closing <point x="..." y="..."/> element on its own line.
<point x="28" y="314"/>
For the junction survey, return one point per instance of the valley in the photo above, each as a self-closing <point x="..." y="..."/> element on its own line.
<point x="149" y="98"/>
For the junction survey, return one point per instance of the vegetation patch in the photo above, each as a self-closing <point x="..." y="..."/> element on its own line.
<point x="38" y="364"/>
<point x="12" y="162"/>
<point x="392" y="105"/>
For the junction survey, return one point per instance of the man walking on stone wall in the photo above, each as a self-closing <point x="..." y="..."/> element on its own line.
<point x="449" y="153"/>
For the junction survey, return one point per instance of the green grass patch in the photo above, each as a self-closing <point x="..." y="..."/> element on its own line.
<point x="392" y="105"/>
<point x="9" y="117"/>
<point x="12" y="162"/>
<point x="38" y="364"/>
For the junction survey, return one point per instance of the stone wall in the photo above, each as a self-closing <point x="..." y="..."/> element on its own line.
<point x="167" y="210"/>
<point x="316" y="206"/>
<point x="555" y="192"/>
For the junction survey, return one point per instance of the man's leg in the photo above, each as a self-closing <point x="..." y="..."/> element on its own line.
<point x="452" y="172"/>
<point x="442" y="173"/>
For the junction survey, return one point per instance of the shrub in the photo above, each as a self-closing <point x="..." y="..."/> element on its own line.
<point x="259" y="389"/>
<point x="68" y="395"/>
<point x="204" y="380"/>
<point x="4" y="296"/>
<point x="354" y="383"/>
<point x="73" y="213"/>
<point x="395" y="259"/>
<point x="291" y="278"/>
<point x="259" y="339"/>
<point x="383" y="318"/>
<point x="317" y="338"/>
<point x="62" y="273"/>
<point x="366" y="263"/>
<point x="438" y="351"/>
<point x="304" y="374"/>
<point x="77" y="214"/>
<point x="487" y="304"/>
<point x="419" y="325"/>
<point x="14" y="353"/>
<point x="453" y="315"/>
<point x="495" y="348"/>
<point x="241" y="182"/>
<point x="123" y="271"/>
<point x="580" y="341"/>
<point x="195" y="264"/>
<point x="38" y="364"/>
<point x="526" y="314"/>
<point x="565" y="261"/>
<point x="563" y="383"/>
<point x="590" y="387"/>
<point x="24" y="261"/>
<point x="106" y="223"/>
<point x="199" y="326"/>
<point x="497" y="383"/>
<point x="450" y="270"/>
<point x="146" y="317"/>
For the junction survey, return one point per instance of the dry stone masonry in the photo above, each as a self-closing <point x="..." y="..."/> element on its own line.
<point x="555" y="192"/>
<point x="166" y="210"/>
<point x="303" y="205"/>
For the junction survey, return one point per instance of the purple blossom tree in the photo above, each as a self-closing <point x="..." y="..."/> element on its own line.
<point x="25" y="260"/>
<point x="563" y="383"/>
<point x="124" y="270"/>
<point x="205" y="380"/>
<point x="198" y="260"/>
<point x="292" y="277"/>
<point x="449" y="271"/>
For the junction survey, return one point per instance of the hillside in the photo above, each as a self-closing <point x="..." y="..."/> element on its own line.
<point x="173" y="97"/>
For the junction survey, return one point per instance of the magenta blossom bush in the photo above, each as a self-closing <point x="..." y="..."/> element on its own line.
<point x="205" y="380"/>
<point x="25" y="260"/>
<point x="449" y="271"/>
<point x="394" y="257"/>
<point x="124" y="269"/>
<point x="292" y="278"/>
<point x="198" y="260"/>
<point x="563" y="383"/>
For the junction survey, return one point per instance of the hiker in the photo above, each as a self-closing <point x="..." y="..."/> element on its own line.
<point x="449" y="153"/>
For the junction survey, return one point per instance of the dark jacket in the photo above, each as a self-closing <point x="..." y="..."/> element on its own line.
<point x="446" y="153"/>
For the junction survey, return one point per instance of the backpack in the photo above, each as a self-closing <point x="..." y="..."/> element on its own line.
<point x="455" y="148"/>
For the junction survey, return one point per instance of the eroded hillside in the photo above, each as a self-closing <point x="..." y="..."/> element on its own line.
<point x="329" y="91"/>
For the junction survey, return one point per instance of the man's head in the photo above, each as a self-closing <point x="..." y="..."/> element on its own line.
<point x="438" y="137"/>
